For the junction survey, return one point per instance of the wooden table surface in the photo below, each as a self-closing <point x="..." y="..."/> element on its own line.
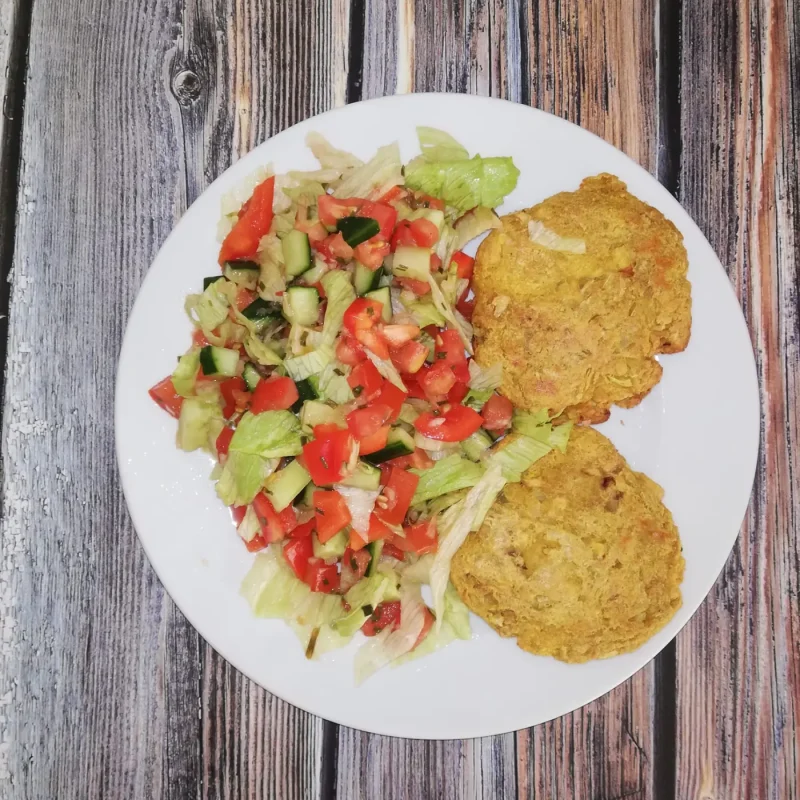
<point x="116" y="116"/>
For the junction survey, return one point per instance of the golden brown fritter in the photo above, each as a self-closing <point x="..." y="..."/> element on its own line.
<point x="579" y="561"/>
<point x="579" y="330"/>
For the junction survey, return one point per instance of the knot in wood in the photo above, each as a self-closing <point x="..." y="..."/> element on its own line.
<point x="186" y="87"/>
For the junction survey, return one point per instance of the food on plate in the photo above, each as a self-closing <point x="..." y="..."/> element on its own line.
<point x="575" y="297"/>
<point x="330" y="375"/>
<point x="579" y="560"/>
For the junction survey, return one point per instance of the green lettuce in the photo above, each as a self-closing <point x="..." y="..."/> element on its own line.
<point x="301" y="367"/>
<point x="272" y="434"/>
<point x="185" y="375"/>
<point x="439" y="145"/>
<point x="199" y="423"/>
<point x="340" y="293"/>
<point x="261" y="353"/>
<point x="242" y="477"/>
<point x="378" y="175"/>
<point x="210" y="308"/>
<point x="537" y="426"/>
<point x="518" y="455"/>
<point x="446" y="475"/>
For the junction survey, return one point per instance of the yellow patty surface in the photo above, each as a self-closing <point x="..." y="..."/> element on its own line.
<point x="577" y="332"/>
<point x="580" y="560"/>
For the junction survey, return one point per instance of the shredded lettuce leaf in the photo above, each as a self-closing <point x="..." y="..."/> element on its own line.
<point x="301" y="367"/>
<point x="447" y="475"/>
<point x="242" y="476"/>
<point x="200" y="422"/>
<point x="481" y="378"/>
<point x="537" y="426"/>
<point x="387" y="369"/>
<point x="261" y="352"/>
<point x="360" y="503"/>
<point x="464" y="184"/>
<point x="377" y="176"/>
<point x="451" y="315"/>
<point x="340" y="294"/>
<point x="550" y="240"/>
<point x="329" y="157"/>
<point x="473" y="224"/>
<point x="271" y="434"/>
<point x="185" y="374"/>
<point x="250" y="525"/>
<point x="437" y="145"/>
<point x="518" y="455"/>
<point x="332" y="385"/>
<point x="209" y="309"/>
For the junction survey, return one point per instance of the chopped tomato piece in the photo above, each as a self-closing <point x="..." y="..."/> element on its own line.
<point x="271" y="526"/>
<point x="395" y="193"/>
<point x="332" y="514"/>
<point x="274" y="394"/>
<point x="453" y="425"/>
<point x="383" y="214"/>
<point x="402" y="236"/>
<point x="349" y="351"/>
<point x="364" y="422"/>
<point x="254" y="222"/>
<point x="314" y="229"/>
<point x="365" y="381"/>
<point x="374" y="342"/>
<point x="327" y="457"/>
<point x="464" y="264"/>
<point x="238" y="512"/>
<point x="354" y="567"/>
<point x="331" y="209"/>
<point x="412" y="383"/>
<point x="165" y="395"/>
<point x="258" y="542"/>
<point x="426" y="201"/>
<point x="199" y="338"/>
<point x="229" y="389"/>
<point x="413" y="285"/>
<point x="386" y="615"/>
<point x="449" y="348"/>
<point x="322" y="577"/>
<point x="398" y="335"/>
<point x="419" y="459"/>
<point x="298" y="552"/>
<point x="393" y="397"/>
<point x="243" y="298"/>
<point x="436" y="263"/>
<point x="377" y="530"/>
<point x="305" y="530"/>
<point x="466" y="307"/>
<point x="457" y="393"/>
<point x="420" y="538"/>
<point x="437" y="381"/>
<point x="224" y="441"/>
<point x="288" y="518"/>
<point x="392" y="551"/>
<point x="333" y="247"/>
<point x="372" y="252"/>
<point x="395" y="500"/>
<point x="427" y="624"/>
<point x="424" y="232"/>
<point x="362" y="314"/>
<point x="376" y="441"/>
<point x="497" y="413"/>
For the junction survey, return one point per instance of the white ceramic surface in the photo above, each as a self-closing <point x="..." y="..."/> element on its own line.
<point x="696" y="434"/>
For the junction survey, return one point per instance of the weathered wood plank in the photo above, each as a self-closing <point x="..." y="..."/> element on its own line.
<point x="595" y="64"/>
<point x="739" y="660"/>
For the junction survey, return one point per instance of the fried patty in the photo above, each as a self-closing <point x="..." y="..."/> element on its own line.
<point x="578" y="332"/>
<point x="580" y="560"/>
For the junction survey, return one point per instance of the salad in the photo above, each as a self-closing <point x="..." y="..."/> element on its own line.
<point x="331" y="376"/>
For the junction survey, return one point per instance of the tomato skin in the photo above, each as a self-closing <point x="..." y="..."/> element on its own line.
<point x="274" y="394"/>
<point x="254" y="222"/>
<point x="376" y="441"/>
<point x="271" y="527"/>
<point x="419" y="459"/>
<point x="377" y="530"/>
<point x="399" y="335"/>
<point x="297" y="553"/>
<point x="334" y="247"/>
<point x="231" y="390"/>
<point x="426" y="201"/>
<point x="237" y="513"/>
<point x="305" y="530"/>
<point x="457" y="393"/>
<point x="362" y="315"/>
<point x="364" y="422"/>
<point x="392" y="551"/>
<point x="449" y="349"/>
<point x="322" y="577"/>
<point x="395" y="193"/>
<point x="331" y="209"/>
<point x="437" y="381"/>
<point x="427" y="624"/>
<point x="395" y="500"/>
<point x="315" y="230"/>
<point x="374" y="342"/>
<point x="424" y="232"/>
<point x="288" y="518"/>
<point x="466" y="307"/>
<point x="402" y="236"/>
<point x="421" y="538"/>
<point x="199" y="338"/>
<point x="453" y="425"/>
<point x="372" y="253"/>
<point x="332" y="514"/>
<point x="165" y="395"/>
<point x="258" y="542"/>
<point x="385" y="615"/>
<point x="384" y="215"/>
<point x="497" y="413"/>
<point x="243" y="298"/>
<point x="223" y="442"/>
<point x="464" y="265"/>
<point x="365" y="381"/>
<point x="327" y="455"/>
<point x="349" y="351"/>
<point x="392" y="397"/>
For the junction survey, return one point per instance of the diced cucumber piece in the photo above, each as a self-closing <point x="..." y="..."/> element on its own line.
<point x="251" y="376"/>
<point x="248" y="265"/>
<point x="306" y="390"/>
<point x="262" y="312"/>
<point x="398" y="444"/>
<point x="212" y="279"/>
<point x="355" y="230"/>
<point x="333" y="548"/>
<point x="476" y="445"/>
<point x="316" y="413"/>
<point x="366" y="279"/>
<point x="375" y="549"/>
<point x="308" y="495"/>
<point x="412" y="262"/>
<point x="315" y="273"/>
<point x="285" y="484"/>
<point x="296" y="253"/>
<point x="384" y="296"/>
<point x="242" y="273"/>
<point x="365" y="476"/>
<point x="219" y="361"/>
<point x="302" y="305"/>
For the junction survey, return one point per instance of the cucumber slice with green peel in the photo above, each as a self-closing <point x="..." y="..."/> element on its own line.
<point x="398" y="444"/>
<point x="308" y="495"/>
<point x="315" y="273"/>
<point x="245" y="278"/>
<point x="365" y="476"/>
<point x="211" y="279"/>
<point x="251" y="377"/>
<point x="306" y="390"/>
<point x="412" y="262"/>
<point x="366" y="280"/>
<point x="262" y="311"/>
<point x="250" y="266"/>
<point x="302" y="305"/>
<point x="383" y="296"/>
<point x="284" y="485"/>
<point x="333" y="548"/>
<point x="356" y="230"/>
<point x="296" y="253"/>
<point x="219" y="361"/>
<point x="315" y="413"/>
<point x="375" y="549"/>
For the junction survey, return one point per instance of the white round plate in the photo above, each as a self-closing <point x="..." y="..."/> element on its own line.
<point x="696" y="434"/>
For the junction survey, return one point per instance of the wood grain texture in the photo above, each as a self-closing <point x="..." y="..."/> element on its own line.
<point x="739" y="657"/>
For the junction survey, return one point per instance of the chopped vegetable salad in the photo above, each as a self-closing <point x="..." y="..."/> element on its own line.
<point x="331" y="376"/>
